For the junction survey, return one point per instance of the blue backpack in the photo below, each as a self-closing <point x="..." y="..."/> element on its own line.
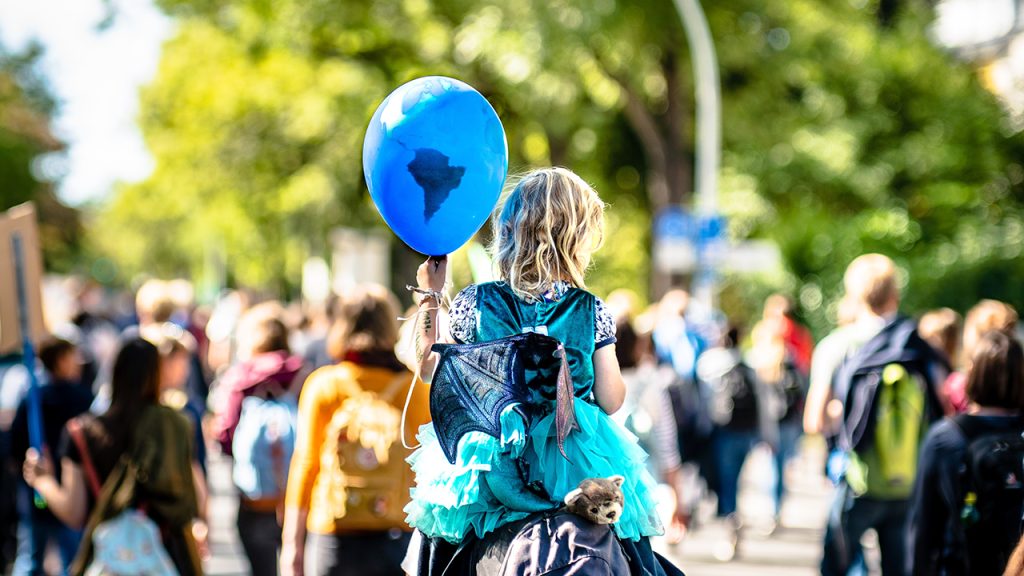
<point x="263" y="445"/>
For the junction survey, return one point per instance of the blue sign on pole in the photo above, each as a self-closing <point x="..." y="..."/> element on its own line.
<point x="675" y="231"/>
<point x="35" y="410"/>
<point x="684" y="242"/>
<point x="674" y="223"/>
<point x="712" y="229"/>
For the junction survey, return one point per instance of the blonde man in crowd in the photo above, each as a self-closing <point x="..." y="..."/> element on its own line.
<point x="154" y="303"/>
<point x="871" y="299"/>
<point x="865" y="499"/>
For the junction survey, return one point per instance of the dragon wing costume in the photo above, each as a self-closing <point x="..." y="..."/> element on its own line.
<point x="474" y="383"/>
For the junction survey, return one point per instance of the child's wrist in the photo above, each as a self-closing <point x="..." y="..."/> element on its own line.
<point x="428" y="295"/>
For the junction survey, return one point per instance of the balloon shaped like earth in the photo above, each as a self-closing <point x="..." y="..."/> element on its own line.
<point x="435" y="159"/>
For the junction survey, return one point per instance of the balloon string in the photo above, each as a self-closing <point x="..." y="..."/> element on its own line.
<point x="442" y="298"/>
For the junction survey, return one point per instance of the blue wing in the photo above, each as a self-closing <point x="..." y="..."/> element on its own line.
<point x="472" y="385"/>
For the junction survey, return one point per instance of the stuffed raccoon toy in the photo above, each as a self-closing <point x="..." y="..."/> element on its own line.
<point x="598" y="500"/>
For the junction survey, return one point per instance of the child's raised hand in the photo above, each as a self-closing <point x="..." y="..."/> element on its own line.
<point x="431" y="274"/>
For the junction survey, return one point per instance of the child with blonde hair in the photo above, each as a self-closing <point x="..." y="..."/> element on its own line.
<point x="544" y="237"/>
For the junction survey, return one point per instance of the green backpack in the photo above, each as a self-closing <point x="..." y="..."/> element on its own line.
<point x="886" y="468"/>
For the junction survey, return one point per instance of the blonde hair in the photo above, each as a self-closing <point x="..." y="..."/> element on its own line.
<point x="986" y="316"/>
<point x="169" y="339"/>
<point x="871" y="280"/>
<point x="153" y="302"/>
<point x="548" y="228"/>
<point x="941" y="329"/>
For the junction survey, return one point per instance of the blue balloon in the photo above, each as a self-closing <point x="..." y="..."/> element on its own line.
<point x="435" y="159"/>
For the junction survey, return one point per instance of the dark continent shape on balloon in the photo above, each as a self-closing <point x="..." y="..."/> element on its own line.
<point x="436" y="177"/>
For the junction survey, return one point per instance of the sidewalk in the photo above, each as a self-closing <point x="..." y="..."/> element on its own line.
<point x="228" y="558"/>
<point x="794" y="549"/>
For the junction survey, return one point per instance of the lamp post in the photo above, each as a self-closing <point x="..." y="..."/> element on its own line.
<point x="708" y="148"/>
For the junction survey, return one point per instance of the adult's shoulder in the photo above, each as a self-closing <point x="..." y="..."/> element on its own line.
<point x="160" y="413"/>
<point x="945" y="439"/>
<point x="324" y="376"/>
<point x="830" y="352"/>
<point x="327" y="383"/>
<point x="88" y="422"/>
<point x="838" y="339"/>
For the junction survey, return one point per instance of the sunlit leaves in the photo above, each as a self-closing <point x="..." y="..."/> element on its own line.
<point x="840" y="137"/>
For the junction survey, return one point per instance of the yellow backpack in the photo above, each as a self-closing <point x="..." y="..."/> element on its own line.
<point x="362" y="462"/>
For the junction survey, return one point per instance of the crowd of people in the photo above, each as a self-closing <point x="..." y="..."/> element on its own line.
<point x="704" y="392"/>
<point x="319" y="407"/>
<point x="131" y="405"/>
<point x="921" y="418"/>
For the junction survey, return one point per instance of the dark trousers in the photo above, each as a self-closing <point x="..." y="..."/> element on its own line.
<point x="789" y="435"/>
<point x="850" y="518"/>
<point x="372" y="554"/>
<point x="261" y="539"/>
<point x="731" y="449"/>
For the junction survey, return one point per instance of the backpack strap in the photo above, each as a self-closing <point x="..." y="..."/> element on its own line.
<point x="78" y="437"/>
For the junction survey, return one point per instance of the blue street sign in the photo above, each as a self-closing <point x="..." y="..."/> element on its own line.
<point x="674" y="223"/>
<point x="712" y="229"/>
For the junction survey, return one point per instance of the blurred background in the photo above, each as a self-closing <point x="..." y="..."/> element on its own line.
<point x="220" y="141"/>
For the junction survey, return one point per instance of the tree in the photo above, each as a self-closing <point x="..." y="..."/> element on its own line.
<point x="845" y="130"/>
<point x="257" y="116"/>
<point x="26" y="142"/>
<point x="853" y="138"/>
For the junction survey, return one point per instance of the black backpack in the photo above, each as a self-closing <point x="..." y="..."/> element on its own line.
<point x="787" y="396"/>
<point x="858" y="380"/>
<point x="693" y="423"/>
<point x="734" y="399"/>
<point x="992" y="495"/>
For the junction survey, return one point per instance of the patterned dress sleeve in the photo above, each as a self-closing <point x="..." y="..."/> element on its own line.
<point x="604" y="324"/>
<point x="462" y="316"/>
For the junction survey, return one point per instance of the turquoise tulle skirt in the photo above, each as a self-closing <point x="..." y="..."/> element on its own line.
<point x="451" y="500"/>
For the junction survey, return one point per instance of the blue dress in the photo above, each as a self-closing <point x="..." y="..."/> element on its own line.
<point x="452" y="500"/>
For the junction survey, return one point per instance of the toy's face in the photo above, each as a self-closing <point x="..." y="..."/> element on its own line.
<point x="598" y="500"/>
<point x="607" y="511"/>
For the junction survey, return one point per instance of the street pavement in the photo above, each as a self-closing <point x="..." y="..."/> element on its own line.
<point x="794" y="549"/>
<point x="226" y="551"/>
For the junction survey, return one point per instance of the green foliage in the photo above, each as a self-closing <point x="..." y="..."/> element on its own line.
<point x="257" y="115"/>
<point x="26" y="108"/>
<point x="877" y="142"/>
<point x="840" y="136"/>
